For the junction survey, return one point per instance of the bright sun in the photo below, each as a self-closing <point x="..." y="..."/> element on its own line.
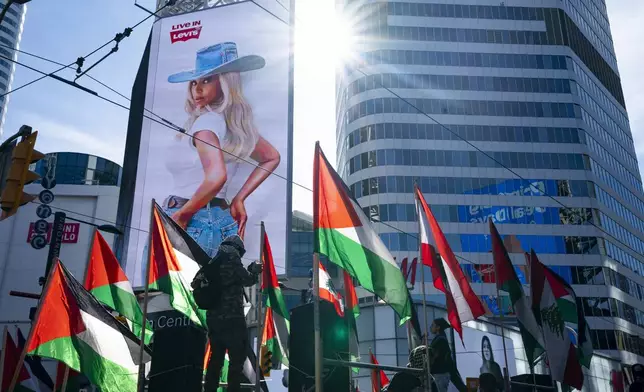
<point x="343" y="40"/>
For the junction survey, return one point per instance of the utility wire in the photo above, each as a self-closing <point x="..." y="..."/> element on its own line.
<point x="80" y="60"/>
<point x="176" y="128"/>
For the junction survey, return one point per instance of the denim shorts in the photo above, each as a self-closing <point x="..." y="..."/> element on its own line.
<point x="209" y="226"/>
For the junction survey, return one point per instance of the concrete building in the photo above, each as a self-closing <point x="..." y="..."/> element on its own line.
<point x="87" y="188"/>
<point x="10" y="34"/>
<point x="534" y="86"/>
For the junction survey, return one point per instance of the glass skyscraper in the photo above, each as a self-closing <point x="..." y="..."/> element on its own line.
<point x="534" y="85"/>
<point x="10" y="33"/>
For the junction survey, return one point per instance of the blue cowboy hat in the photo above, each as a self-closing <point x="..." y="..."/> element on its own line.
<point x="218" y="59"/>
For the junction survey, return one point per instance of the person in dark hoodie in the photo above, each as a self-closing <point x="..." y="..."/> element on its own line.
<point x="226" y="320"/>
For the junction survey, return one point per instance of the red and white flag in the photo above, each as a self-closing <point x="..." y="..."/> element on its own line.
<point x="462" y="303"/>
<point x="328" y="292"/>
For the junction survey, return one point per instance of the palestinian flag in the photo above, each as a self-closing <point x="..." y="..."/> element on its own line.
<point x="272" y="340"/>
<point x="344" y="235"/>
<point x="39" y="376"/>
<point x="553" y="304"/>
<point x="378" y="377"/>
<point x="71" y="326"/>
<point x="462" y="303"/>
<point x="175" y="259"/>
<point x="328" y="291"/>
<point x="507" y="280"/>
<point x="9" y="361"/>
<point x="275" y="302"/>
<point x="414" y="333"/>
<point x="74" y="379"/>
<point x="107" y="281"/>
<point x="351" y="313"/>
<point x="223" y="377"/>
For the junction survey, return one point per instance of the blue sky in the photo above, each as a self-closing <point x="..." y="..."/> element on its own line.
<point x="70" y="120"/>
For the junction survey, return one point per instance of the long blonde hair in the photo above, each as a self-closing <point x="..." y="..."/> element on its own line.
<point x="241" y="133"/>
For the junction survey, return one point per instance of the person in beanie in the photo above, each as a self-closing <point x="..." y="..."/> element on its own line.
<point x="226" y="320"/>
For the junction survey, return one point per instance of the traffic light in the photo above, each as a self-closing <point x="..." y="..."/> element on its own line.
<point x="266" y="361"/>
<point x="19" y="175"/>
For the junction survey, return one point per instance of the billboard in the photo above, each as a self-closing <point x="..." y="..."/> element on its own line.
<point x="482" y="352"/>
<point x="222" y="75"/>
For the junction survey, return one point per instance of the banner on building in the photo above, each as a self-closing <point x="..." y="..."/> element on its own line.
<point x="222" y="76"/>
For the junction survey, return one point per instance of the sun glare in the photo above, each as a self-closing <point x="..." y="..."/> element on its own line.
<point x="343" y="41"/>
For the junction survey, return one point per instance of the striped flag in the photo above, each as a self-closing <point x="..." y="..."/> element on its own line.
<point x="328" y="291"/>
<point x="107" y="281"/>
<point x="462" y="303"/>
<point x="175" y="259"/>
<point x="71" y="326"/>
<point x="507" y="280"/>
<point x="343" y="233"/>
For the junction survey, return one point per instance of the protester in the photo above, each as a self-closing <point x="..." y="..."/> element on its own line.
<point x="638" y="378"/>
<point x="488" y="383"/>
<point x="226" y="320"/>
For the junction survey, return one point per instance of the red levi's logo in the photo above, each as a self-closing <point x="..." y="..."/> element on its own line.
<point x="185" y="31"/>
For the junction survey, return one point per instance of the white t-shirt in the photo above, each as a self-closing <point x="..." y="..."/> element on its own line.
<point x="182" y="159"/>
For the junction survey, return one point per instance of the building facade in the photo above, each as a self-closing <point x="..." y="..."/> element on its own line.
<point x="87" y="188"/>
<point x="10" y="34"/>
<point x="510" y="111"/>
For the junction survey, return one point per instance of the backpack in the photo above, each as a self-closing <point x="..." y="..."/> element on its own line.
<point x="206" y="286"/>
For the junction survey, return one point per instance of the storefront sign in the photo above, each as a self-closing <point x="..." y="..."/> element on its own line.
<point x="70" y="233"/>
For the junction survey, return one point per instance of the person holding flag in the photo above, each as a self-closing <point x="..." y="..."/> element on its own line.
<point x="226" y="319"/>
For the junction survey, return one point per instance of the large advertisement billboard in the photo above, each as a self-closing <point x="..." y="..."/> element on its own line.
<point x="482" y="352"/>
<point x="222" y="76"/>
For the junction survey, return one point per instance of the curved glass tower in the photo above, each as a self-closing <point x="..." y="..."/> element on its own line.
<point x="534" y="85"/>
<point x="10" y="33"/>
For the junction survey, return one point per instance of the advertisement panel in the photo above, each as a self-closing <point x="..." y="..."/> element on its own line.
<point x="222" y="75"/>
<point x="483" y="353"/>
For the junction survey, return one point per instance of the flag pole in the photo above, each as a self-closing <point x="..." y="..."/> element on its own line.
<point x="316" y="322"/>
<point x="3" y="354"/>
<point x="500" y="306"/>
<point x="258" y="311"/>
<point x="141" y="384"/>
<point x="428" y="368"/>
<point x="63" y="387"/>
<point x="422" y="277"/>
<point x="346" y="316"/>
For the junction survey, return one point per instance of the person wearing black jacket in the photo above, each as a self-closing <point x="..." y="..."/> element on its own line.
<point x="226" y="320"/>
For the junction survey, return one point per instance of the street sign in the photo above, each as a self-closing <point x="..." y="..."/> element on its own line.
<point x="38" y="242"/>
<point x="69" y="236"/>
<point x="43" y="211"/>
<point x="46" y="196"/>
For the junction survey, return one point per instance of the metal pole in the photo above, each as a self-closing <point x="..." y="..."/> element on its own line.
<point x="346" y="316"/>
<point x="422" y="276"/>
<point x="428" y="366"/>
<point x="316" y="323"/>
<point x="57" y="231"/>
<point x="141" y="384"/>
<point x="3" y="353"/>
<point x="258" y="311"/>
<point x="505" y="350"/>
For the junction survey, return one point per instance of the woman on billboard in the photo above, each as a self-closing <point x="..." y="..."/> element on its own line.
<point x="489" y="366"/>
<point x="221" y="133"/>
